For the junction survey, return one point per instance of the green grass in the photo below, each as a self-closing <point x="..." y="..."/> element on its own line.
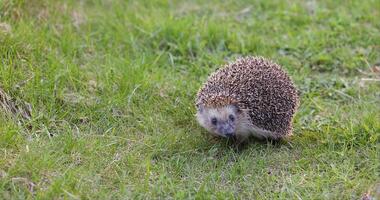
<point x="112" y="86"/>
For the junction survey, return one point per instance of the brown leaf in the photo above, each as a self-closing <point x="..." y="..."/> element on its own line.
<point x="25" y="182"/>
<point x="78" y="18"/>
<point x="5" y="28"/>
<point x="366" y="196"/>
<point x="376" y="69"/>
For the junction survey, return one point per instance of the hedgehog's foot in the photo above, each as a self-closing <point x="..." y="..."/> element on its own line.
<point x="240" y="139"/>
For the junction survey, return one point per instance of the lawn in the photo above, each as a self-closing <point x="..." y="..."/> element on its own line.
<point x="97" y="99"/>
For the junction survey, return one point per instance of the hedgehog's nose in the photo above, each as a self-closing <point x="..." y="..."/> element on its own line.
<point x="227" y="130"/>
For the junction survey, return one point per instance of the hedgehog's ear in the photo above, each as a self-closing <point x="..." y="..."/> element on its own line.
<point x="236" y="107"/>
<point x="200" y="108"/>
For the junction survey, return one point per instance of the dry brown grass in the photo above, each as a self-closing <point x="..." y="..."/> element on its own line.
<point x="17" y="109"/>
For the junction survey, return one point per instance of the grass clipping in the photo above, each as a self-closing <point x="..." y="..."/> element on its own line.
<point x="18" y="110"/>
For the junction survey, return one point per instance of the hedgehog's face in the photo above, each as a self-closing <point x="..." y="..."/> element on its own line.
<point x="219" y="121"/>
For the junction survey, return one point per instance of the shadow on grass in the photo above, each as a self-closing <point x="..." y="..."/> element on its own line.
<point x="233" y="144"/>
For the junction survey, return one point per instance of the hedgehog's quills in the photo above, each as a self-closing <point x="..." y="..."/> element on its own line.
<point x="252" y="96"/>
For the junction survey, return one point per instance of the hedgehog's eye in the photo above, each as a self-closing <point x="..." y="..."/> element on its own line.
<point x="214" y="120"/>
<point x="232" y="118"/>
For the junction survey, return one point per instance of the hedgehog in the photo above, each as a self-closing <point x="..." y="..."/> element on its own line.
<point x="252" y="96"/>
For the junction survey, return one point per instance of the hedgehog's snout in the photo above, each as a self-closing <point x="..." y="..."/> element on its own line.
<point x="226" y="129"/>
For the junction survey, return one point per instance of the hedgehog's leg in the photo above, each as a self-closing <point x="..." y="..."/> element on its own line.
<point x="277" y="135"/>
<point x="241" y="138"/>
<point x="260" y="133"/>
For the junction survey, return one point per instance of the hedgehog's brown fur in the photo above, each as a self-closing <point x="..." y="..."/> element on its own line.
<point x="257" y="86"/>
